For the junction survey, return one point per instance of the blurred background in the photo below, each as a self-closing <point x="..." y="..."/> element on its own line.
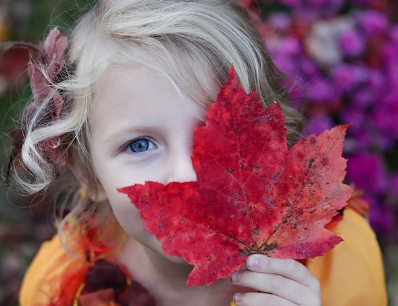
<point x="342" y="56"/>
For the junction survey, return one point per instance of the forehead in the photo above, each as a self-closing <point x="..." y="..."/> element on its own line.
<point x="138" y="93"/>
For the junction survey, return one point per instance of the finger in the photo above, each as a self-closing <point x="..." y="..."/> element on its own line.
<point x="259" y="299"/>
<point x="277" y="285"/>
<point x="289" y="268"/>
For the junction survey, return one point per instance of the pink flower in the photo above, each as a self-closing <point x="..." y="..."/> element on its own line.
<point x="373" y="22"/>
<point x="346" y="78"/>
<point x="290" y="45"/>
<point x="389" y="54"/>
<point x="381" y="219"/>
<point x="318" y="124"/>
<point x="319" y="91"/>
<point x="353" y="116"/>
<point x="377" y="81"/>
<point x="394" y="183"/>
<point x="351" y="43"/>
<point x="363" y="1"/>
<point x="384" y="116"/>
<point x="357" y="141"/>
<point x="394" y="34"/>
<point x="308" y="67"/>
<point x="367" y="172"/>
<point x="363" y="98"/>
<point x="291" y="3"/>
<point x="280" y="21"/>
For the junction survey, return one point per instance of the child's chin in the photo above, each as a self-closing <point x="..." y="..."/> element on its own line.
<point x="178" y="260"/>
<point x="157" y="247"/>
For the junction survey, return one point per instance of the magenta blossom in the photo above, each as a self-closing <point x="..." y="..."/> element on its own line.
<point x="319" y="92"/>
<point x="309" y="68"/>
<point x="367" y="172"/>
<point x="363" y="98"/>
<point x="280" y="21"/>
<point x="381" y="219"/>
<point x="352" y="43"/>
<point x="318" y="124"/>
<point x="363" y="1"/>
<point x="376" y="81"/>
<point x="394" y="183"/>
<point x="394" y="34"/>
<point x="389" y="53"/>
<point x="291" y="3"/>
<point x="385" y="114"/>
<point x="353" y="116"/>
<point x="346" y="77"/>
<point x="357" y="141"/>
<point x="373" y="22"/>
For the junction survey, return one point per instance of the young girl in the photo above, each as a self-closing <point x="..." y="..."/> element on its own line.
<point x="119" y="108"/>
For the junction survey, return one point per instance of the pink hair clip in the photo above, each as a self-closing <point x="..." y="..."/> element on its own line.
<point x="49" y="58"/>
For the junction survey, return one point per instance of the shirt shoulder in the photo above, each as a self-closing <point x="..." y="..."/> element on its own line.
<point x="51" y="261"/>
<point x="352" y="273"/>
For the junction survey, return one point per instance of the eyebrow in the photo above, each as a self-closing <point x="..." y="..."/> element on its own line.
<point x="120" y="134"/>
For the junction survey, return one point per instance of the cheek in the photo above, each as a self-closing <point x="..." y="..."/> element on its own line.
<point x="125" y="212"/>
<point x="129" y="218"/>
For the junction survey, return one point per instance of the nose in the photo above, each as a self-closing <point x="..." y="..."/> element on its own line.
<point x="181" y="168"/>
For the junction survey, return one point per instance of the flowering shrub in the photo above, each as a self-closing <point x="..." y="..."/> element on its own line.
<point x="343" y="58"/>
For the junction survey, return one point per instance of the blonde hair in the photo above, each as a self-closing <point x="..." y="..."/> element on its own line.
<point x="173" y="36"/>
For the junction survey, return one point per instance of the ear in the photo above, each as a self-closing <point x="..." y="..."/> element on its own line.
<point x="93" y="189"/>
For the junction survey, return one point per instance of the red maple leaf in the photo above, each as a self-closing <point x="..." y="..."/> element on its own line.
<point x="252" y="195"/>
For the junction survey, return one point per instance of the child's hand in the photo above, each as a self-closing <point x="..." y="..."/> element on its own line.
<point x="282" y="282"/>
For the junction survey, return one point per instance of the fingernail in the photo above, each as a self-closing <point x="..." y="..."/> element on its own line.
<point x="237" y="298"/>
<point x="252" y="261"/>
<point x="235" y="277"/>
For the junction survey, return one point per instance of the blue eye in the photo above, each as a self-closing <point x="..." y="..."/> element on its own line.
<point x="141" y="145"/>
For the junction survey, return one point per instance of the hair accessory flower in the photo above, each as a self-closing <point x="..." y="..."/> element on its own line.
<point x="44" y="67"/>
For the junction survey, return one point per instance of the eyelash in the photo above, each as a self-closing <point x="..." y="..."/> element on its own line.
<point x="127" y="147"/>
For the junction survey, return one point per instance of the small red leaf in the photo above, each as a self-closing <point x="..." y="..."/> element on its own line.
<point x="252" y="194"/>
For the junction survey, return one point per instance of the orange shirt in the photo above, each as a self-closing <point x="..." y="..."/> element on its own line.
<point x="351" y="274"/>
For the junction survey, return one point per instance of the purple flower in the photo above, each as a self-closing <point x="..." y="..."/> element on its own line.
<point x="290" y="46"/>
<point x="318" y="124"/>
<point x="390" y="99"/>
<point x="353" y="116"/>
<point x="308" y="68"/>
<point x="389" y="54"/>
<point x="392" y="74"/>
<point x="363" y="98"/>
<point x="376" y="81"/>
<point x="384" y="116"/>
<point x="319" y="91"/>
<point x="331" y="7"/>
<point x="291" y="3"/>
<point x="351" y="43"/>
<point x="343" y="78"/>
<point x="363" y="1"/>
<point x="296" y="97"/>
<point x="280" y="21"/>
<point x="367" y="172"/>
<point x="285" y="64"/>
<point x="286" y="53"/>
<point x="358" y="140"/>
<point x="383" y="141"/>
<point x="346" y="77"/>
<point x="381" y="219"/>
<point x="394" y="34"/>
<point x="373" y="22"/>
<point x="394" y="183"/>
<point x="317" y="4"/>
<point x="381" y="119"/>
